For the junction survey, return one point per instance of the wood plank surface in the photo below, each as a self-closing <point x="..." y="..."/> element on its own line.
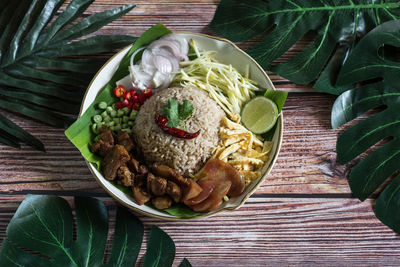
<point x="302" y="215"/>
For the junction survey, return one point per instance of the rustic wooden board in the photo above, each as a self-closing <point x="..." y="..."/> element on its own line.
<point x="303" y="214"/>
<point x="274" y="232"/>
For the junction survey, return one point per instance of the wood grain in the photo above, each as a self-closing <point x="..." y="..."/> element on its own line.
<point x="302" y="215"/>
<point x="285" y="231"/>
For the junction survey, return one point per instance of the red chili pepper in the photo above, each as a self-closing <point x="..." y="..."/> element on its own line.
<point x="162" y="123"/>
<point x="129" y="95"/>
<point x="148" y="92"/>
<point x="135" y="99"/>
<point x="119" y="105"/>
<point x="125" y="102"/>
<point x="119" y="91"/>
<point x="141" y="98"/>
<point x="136" y="106"/>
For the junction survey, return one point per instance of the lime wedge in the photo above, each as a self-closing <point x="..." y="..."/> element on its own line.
<point x="259" y="115"/>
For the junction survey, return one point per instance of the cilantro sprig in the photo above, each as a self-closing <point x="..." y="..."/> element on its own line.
<point x="177" y="113"/>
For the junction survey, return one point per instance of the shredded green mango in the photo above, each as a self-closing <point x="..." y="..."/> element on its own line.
<point x="223" y="83"/>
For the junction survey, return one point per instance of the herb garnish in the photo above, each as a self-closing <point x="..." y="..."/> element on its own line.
<point x="177" y="113"/>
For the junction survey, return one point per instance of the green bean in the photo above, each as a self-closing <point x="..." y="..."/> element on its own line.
<point x="125" y="118"/>
<point x="99" y="125"/>
<point x="120" y="113"/>
<point x="131" y="123"/>
<point x="95" y="129"/>
<point x="104" y="114"/>
<point x="117" y="120"/>
<point x="133" y="114"/>
<point x="125" y="125"/>
<point x="97" y="118"/>
<point x="117" y="127"/>
<point x="102" y="105"/>
<point x="111" y="123"/>
<point x="113" y="113"/>
<point x="107" y="119"/>
<point x="109" y="110"/>
<point x="126" y="110"/>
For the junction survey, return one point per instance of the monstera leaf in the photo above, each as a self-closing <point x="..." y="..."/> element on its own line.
<point x="40" y="75"/>
<point x="368" y="61"/>
<point x="43" y="225"/>
<point x="337" y="24"/>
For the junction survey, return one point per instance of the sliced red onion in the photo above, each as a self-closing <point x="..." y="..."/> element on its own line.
<point x="159" y="62"/>
<point x="164" y="64"/>
<point x="141" y="79"/>
<point x="173" y="60"/>
<point x="147" y="62"/>
<point x="169" y="45"/>
<point x="183" y="45"/>
<point x="134" y="54"/>
<point x="162" y="80"/>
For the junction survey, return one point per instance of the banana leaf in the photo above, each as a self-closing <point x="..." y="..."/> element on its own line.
<point x="80" y="134"/>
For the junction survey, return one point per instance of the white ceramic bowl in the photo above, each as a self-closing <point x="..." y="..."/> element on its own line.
<point x="227" y="53"/>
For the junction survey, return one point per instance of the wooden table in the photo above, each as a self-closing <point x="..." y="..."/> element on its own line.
<point x="303" y="214"/>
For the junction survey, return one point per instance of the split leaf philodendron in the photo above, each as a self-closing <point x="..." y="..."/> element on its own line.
<point x="337" y="25"/>
<point x="39" y="73"/>
<point x="354" y="41"/>
<point x="43" y="226"/>
<point x="369" y="61"/>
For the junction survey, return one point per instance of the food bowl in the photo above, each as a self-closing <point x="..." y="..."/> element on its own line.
<point x="227" y="53"/>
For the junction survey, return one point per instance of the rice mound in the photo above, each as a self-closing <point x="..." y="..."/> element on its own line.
<point x="185" y="155"/>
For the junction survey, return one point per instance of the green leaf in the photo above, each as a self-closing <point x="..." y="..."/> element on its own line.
<point x="10" y="20"/>
<point x="278" y="97"/>
<point x="338" y="25"/>
<point x="160" y="249"/>
<point x="44" y="224"/>
<point x="14" y="130"/>
<point x="38" y="68"/>
<point x="177" y="113"/>
<point x="13" y="48"/>
<point x="185" y="263"/>
<point x="185" y="110"/>
<point x="93" y="45"/>
<point x="92" y="23"/>
<point x="387" y="206"/>
<point x="11" y="255"/>
<point x="8" y="139"/>
<point x="128" y="238"/>
<point x="82" y="65"/>
<point x="182" y="211"/>
<point x="171" y="112"/>
<point x="71" y="12"/>
<point x="41" y="21"/>
<point x="36" y="112"/>
<point x="366" y="64"/>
